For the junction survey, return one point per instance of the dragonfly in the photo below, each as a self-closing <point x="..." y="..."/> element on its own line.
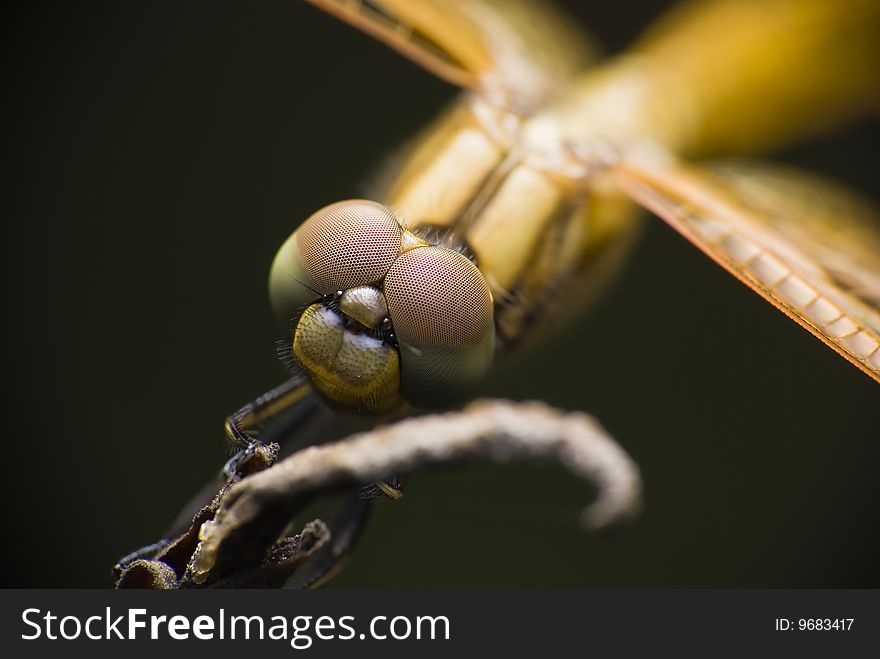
<point x="523" y="197"/>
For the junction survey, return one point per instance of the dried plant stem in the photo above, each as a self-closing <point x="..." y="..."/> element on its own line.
<point x="255" y="512"/>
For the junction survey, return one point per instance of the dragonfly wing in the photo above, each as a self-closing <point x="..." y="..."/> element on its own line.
<point x="804" y="244"/>
<point x="521" y="50"/>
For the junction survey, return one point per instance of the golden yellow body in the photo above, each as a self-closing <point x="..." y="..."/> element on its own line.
<point x="535" y="171"/>
<point x="531" y="192"/>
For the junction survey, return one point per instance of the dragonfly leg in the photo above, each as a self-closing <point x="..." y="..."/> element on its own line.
<point x="242" y="425"/>
<point x="345" y="532"/>
<point x="392" y="487"/>
<point x="246" y="442"/>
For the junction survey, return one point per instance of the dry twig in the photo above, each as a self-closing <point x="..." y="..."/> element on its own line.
<point x="255" y="512"/>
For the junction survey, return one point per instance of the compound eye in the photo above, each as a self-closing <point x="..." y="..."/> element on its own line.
<point x="349" y="243"/>
<point x="442" y="312"/>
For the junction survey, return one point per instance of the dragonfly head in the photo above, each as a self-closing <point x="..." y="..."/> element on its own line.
<point x="380" y="316"/>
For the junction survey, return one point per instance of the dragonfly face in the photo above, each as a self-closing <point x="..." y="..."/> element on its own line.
<point x="380" y="316"/>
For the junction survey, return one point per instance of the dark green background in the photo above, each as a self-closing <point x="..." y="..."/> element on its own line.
<point x="156" y="156"/>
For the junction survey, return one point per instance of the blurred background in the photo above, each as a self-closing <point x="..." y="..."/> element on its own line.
<point x="157" y="155"/>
